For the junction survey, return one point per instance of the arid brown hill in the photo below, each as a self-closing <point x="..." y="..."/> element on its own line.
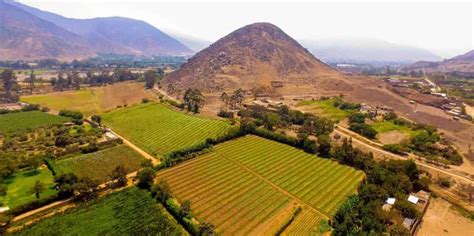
<point x="462" y="64"/>
<point x="254" y="55"/>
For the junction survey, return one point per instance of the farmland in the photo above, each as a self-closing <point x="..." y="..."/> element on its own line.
<point x="159" y="130"/>
<point x="92" y="100"/>
<point x="129" y="212"/>
<point x="324" y="108"/>
<point x="99" y="165"/>
<point x="18" y="121"/>
<point x="20" y="184"/>
<point x="241" y="185"/>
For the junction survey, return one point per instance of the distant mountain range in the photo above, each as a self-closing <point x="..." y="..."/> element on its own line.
<point x="366" y="51"/>
<point x="462" y="64"/>
<point x="29" y="33"/>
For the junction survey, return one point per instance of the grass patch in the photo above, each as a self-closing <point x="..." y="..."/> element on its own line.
<point x="387" y="126"/>
<point x="129" y="212"/>
<point x="159" y="130"/>
<point x="325" y="108"/>
<point x="100" y="165"/>
<point x="18" y="121"/>
<point x="20" y="184"/>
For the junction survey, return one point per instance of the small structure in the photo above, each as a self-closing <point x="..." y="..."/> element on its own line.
<point x="4" y="209"/>
<point x="408" y="223"/>
<point x="110" y="136"/>
<point x="388" y="204"/>
<point x="413" y="199"/>
<point x="276" y="84"/>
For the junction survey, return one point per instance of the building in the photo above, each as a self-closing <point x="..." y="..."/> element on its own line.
<point x="388" y="204"/>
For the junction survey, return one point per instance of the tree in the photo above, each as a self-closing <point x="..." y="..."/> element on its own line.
<point x="37" y="189"/>
<point x="225" y="98"/>
<point x="185" y="209"/>
<point x="145" y="177"/>
<point x="3" y="190"/>
<point x="9" y="81"/>
<point x="271" y="120"/>
<point x="97" y="119"/>
<point x="324" y="145"/>
<point x="31" y="81"/>
<point x="237" y="97"/>
<point x="206" y="228"/>
<point x="65" y="184"/>
<point x="35" y="162"/>
<point x="150" y="79"/>
<point x="85" y="189"/>
<point x="162" y="190"/>
<point x="193" y="100"/>
<point x="120" y="175"/>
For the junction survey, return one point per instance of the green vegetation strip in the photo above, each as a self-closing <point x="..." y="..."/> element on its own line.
<point x="159" y="130"/>
<point x="128" y="212"/>
<point x="100" y="165"/>
<point x="18" y="121"/>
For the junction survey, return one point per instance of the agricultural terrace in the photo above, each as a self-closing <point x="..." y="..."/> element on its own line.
<point x="128" y="212"/>
<point x="159" y="130"/>
<point x="94" y="100"/>
<point x="330" y="108"/>
<point x="100" y="165"/>
<point x="18" y="121"/>
<point x="19" y="187"/>
<point x="243" y="185"/>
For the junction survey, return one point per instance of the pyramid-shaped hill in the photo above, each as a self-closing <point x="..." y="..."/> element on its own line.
<point x="259" y="54"/>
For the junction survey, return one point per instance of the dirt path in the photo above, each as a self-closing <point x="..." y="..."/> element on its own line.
<point x="153" y="160"/>
<point x="376" y="147"/>
<point x="442" y="219"/>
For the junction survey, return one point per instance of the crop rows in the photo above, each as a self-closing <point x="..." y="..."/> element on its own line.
<point x="159" y="130"/>
<point x="320" y="183"/>
<point x="18" y="121"/>
<point x="100" y="165"/>
<point x="229" y="186"/>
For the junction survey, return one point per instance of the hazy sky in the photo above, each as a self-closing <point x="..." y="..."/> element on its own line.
<point x="445" y="28"/>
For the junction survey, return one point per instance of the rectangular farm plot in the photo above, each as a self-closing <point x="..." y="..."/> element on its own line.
<point x="159" y="130"/>
<point x="242" y="185"/>
<point x="18" y="121"/>
<point x="100" y="165"/>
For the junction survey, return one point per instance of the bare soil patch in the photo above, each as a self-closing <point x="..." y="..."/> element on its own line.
<point x="392" y="137"/>
<point x="442" y="219"/>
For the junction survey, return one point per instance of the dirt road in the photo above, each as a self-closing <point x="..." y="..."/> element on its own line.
<point x="376" y="147"/>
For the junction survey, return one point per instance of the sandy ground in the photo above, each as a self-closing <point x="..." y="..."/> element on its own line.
<point x="392" y="137"/>
<point x="469" y="110"/>
<point x="442" y="219"/>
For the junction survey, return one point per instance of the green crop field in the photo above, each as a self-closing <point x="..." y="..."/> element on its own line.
<point x="18" y="121"/>
<point x="100" y="165"/>
<point x="20" y="184"/>
<point x="243" y="184"/>
<point x="159" y="130"/>
<point x="128" y="212"/>
<point x="324" y="108"/>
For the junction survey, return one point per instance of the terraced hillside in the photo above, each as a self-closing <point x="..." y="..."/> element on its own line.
<point x="159" y="130"/>
<point x="243" y="185"/>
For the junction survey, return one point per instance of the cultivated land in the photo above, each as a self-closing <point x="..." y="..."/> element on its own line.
<point x="20" y="184"/>
<point x="94" y="100"/>
<point x="159" y="130"/>
<point x="100" y="165"/>
<point x="242" y="186"/>
<point x="12" y="122"/>
<point x="129" y="212"/>
<point x="324" y="108"/>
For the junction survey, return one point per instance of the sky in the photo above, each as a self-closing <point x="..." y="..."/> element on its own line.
<point x="445" y="28"/>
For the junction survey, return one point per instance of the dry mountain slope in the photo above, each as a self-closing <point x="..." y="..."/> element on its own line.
<point x="117" y="35"/>
<point x="25" y="36"/>
<point x="253" y="55"/>
<point x="462" y="64"/>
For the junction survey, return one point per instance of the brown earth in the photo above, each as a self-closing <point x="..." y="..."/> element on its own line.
<point x="442" y="219"/>
<point x="392" y="137"/>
